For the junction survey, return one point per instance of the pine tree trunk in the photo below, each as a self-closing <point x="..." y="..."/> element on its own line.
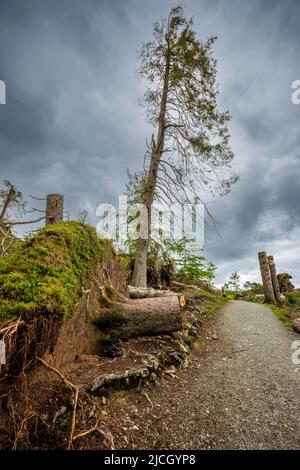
<point x="266" y="278"/>
<point x="274" y="279"/>
<point x="139" y="277"/>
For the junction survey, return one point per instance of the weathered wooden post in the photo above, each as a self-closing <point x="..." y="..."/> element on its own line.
<point x="276" y="289"/>
<point x="54" y="208"/>
<point x="266" y="277"/>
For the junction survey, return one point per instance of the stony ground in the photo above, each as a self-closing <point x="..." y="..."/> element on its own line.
<point x="239" y="391"/>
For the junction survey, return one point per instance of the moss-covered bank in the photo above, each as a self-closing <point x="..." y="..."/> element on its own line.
<point x="46" y="272"/>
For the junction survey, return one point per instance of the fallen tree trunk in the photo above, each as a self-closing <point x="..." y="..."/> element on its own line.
<point x="183" y="285"/>
<point x="148" y="317"/>
<point x="146" y="292"/>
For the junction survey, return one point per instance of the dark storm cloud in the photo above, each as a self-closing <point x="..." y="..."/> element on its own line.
<point x="72" y="123"/>
<point x="65" y="106"/>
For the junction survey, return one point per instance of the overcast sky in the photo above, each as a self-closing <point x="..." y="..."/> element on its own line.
<point x="72" y="123"/>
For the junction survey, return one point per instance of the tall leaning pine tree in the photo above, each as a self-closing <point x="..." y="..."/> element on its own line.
<point x="189" y="150"/>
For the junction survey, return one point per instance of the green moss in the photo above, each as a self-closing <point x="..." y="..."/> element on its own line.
<point x="124" y="261"/>
<point x="44" y="274"/>
<point x="105" y="300"/>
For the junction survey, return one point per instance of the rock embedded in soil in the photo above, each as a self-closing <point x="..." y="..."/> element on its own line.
<point x="296" y="324"/>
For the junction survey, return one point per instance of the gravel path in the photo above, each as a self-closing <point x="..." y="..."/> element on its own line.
<point x="249" y="388"/>
<point x="242" y="393"/>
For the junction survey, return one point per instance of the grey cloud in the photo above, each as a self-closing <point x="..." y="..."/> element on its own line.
<point x="72" y="122"/>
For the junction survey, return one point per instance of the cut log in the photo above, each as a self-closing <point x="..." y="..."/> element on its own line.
<point x="266" y="278"/>
<point x="148" y="317"/>
<point x="181" y="301"/>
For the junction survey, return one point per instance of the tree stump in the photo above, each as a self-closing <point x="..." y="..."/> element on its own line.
<point x="266" y="278"/>
<point x="54" y="209"/>
<point x="275" y="283"/>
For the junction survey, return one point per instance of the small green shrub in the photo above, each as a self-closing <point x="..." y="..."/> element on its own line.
<point x="293" y="298"/>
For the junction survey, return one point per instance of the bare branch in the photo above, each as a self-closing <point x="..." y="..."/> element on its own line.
<point x="26" y="221"/>
<point x="37" y="198"/>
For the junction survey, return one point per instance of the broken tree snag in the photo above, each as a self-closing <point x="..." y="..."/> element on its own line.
<point x="54" y="209"/>
<point x="7" y="202"/>
<point x="266" y="278"/>
<point x="275" y="283"/>
<point x="148" y="317"/>
<point x="284" y="282"/>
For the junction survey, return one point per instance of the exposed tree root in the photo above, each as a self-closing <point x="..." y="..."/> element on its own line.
<point x="88" y="431"/>
<point x="24" y="339"/>
<point x="75" y="390"/>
